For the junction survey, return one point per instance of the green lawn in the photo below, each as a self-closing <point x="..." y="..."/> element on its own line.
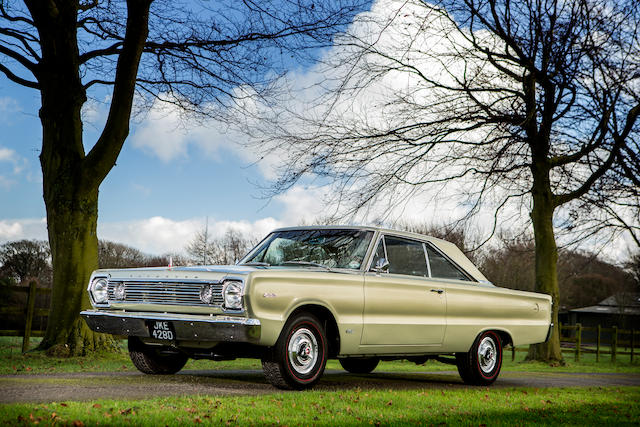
<point x="12" y="361"/>
<point x="576" y="406"/>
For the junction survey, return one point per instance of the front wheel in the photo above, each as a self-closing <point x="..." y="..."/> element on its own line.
<point x="298" y="359"/>
<point x="152" y="360"/>
<point x="481" y="365"/>
<point x="359" y="365"/>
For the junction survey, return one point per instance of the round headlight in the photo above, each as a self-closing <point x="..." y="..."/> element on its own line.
<point x="99" y="290"/>
<point x="206" y="294"/>
<point x="119" y="292"/>
<point x="232" y="295"/>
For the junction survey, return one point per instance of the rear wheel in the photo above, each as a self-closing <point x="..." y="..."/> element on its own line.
<point x="359" y="365"/>
<point x="298" y="359"/>
<point x="481" y="365"/>
<point x="153" y="360"/>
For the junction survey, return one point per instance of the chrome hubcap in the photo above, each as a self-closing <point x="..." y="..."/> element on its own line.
<point x="302" y="351"/>
<point x="487" y="355"/>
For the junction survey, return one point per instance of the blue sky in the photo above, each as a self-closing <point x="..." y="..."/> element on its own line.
<point x="189" y="186"/>
<point x="167" y="182"/>
<point x="171" y="177"/>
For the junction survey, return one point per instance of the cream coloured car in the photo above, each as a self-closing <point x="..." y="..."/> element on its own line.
<point x="307" y="294"/>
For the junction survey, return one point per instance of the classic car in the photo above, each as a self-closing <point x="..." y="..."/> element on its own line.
<point x="307" y="294"/>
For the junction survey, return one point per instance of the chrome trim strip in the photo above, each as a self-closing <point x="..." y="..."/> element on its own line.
<point x="173" y="317"/>
<point x="426" y="256"/>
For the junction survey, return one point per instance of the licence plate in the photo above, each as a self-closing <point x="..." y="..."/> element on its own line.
<point x="162" y="330"/>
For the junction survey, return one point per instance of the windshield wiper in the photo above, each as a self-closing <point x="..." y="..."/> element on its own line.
<point x="258" y="263"/>
<point x="309" y="263"/>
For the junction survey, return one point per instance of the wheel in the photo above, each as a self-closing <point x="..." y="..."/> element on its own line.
<point x="357" y="365"/>
<point x="298" y="359"/>
<point x="481" y="365"/>
<point x="150" y="360"/>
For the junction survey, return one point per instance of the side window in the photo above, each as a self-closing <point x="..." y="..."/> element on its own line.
<point x="442" y="268"/>
<point x="406" y="257"/>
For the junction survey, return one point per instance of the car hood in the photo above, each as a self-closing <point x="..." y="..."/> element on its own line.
<point x="203" y="272"/>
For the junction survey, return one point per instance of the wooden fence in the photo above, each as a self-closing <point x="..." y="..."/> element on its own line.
<point x="30" y="312"/>
<point x="574" y="344"/>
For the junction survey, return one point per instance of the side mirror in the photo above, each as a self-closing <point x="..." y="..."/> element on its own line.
<point x="382" y="266"/>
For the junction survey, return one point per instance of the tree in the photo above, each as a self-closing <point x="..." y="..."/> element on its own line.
<point x="25" y="259"/>
<point x="528" y="105"/>
<point x="198" y="55"/>
<point x="205" y="249"/>
<point x="117" y="255"/>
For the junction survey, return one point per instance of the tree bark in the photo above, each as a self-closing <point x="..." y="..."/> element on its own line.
<point x="72" y="216"/>
<point x="71" y="178"/>
<point x="546" y="263"/>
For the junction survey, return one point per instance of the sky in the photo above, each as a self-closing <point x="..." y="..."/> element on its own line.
<point x="172" y="177"/>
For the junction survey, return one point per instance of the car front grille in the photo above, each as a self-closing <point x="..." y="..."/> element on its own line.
<point x="164" y="292"/>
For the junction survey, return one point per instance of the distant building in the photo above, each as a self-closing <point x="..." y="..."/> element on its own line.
<point x="621" y="310"/>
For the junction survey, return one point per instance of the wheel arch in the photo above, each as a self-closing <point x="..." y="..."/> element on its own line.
<point x="328" y="320"/>
<point x="503" y="334"/>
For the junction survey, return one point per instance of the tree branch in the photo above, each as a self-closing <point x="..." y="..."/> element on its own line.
<point x="103" y="155"/>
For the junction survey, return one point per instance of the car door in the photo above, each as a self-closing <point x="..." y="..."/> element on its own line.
<point x="402" y="307"/>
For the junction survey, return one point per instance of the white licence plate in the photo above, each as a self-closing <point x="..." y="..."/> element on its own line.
<point x="162" y="330"/>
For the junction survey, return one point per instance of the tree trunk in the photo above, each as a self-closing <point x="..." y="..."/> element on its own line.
<point x="71" y="178"/>
<point x="70" y="197"/>
<point x="72" y="218"/>
<point x="546" y="267"/>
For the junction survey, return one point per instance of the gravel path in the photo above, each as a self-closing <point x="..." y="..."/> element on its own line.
<point x="133" y="385"/>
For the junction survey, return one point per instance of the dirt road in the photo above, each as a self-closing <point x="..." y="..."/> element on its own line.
<point x="133" y="385"/>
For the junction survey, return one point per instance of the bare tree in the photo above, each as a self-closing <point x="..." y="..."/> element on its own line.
<point x="200" y="55"/>
<point x="201" y="247"/>
<point x="117" y="255"/>
<point x="528" y="105"/>
<point x="25" y="259"/>
<point x="225" y="250"/>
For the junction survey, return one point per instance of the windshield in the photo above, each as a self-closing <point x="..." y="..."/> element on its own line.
<point x="327" y="248"/>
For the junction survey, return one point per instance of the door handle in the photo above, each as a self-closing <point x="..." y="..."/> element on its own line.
<point x="437" y="290"/>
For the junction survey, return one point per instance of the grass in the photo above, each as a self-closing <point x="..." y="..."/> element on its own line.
<point x="576" y="406"/>
<point x="12" y="361"/>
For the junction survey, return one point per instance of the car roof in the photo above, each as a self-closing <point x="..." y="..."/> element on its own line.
<point x="450" y="249"/>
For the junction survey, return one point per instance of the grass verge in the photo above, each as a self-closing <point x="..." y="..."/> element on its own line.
<point x="575" y="406"/>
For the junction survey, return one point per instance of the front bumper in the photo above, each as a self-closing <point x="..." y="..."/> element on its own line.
<point x="187" y="327"/>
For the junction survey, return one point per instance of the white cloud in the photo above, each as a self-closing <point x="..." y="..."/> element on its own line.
<point x="155" y="235"/>
<point x="167" y="132"/>
<point x="159" y="235"/>
<point x="16" y="164"/>
<point x="17" y="229"/>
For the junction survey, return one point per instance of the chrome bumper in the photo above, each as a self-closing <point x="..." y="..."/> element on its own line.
<point x="549" y="332"/>
<point x="187" y="327"/>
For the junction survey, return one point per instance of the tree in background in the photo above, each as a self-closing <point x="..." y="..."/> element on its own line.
<point x="26" y="259"/>
<point x="529" y="106"/>
<point x="225" y="250"/>
<point x="199" y="55"/>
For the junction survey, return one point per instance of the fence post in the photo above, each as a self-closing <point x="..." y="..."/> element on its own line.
<point x="31" y="302"/>
<point x="633" y="332"/>
<point x="598" y="344"/>
<point x="614" y="343"/>
<point x="578" y="340"/>
<point x="513" y="353"/>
